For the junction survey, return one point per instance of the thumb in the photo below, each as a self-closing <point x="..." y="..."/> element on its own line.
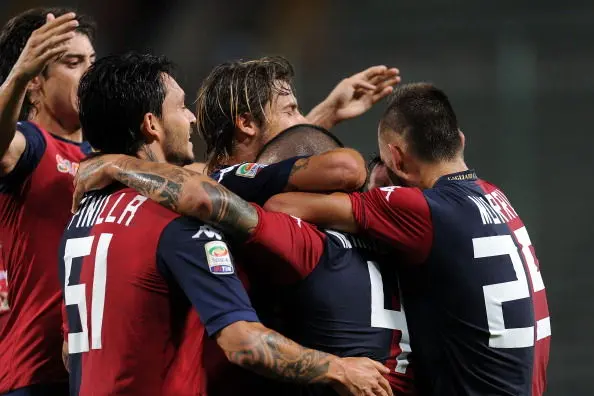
<point x="76" y="197"/>
<point x="50" y="17"/>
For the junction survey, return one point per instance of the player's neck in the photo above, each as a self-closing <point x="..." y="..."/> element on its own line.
<point x="151" y="152"/>
<point x="244" y="154"/>
<point x="48" y="122"/>
<point x="431" y="173"/>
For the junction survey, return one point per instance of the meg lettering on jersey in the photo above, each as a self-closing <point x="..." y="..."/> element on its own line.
<point x="104" y="209"/>
<point x="495" y="209"/>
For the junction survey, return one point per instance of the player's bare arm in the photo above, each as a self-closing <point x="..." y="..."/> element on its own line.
<point x="45" y="44"/>
<point x="333" y="211"/>
<point x="355" y="95"/>
<point x="341" y="169"/>
<point x="181" y="190"/>
<point x="257" y="348"/>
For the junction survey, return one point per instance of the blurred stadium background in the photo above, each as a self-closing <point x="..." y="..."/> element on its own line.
<point x="520" y="75"/>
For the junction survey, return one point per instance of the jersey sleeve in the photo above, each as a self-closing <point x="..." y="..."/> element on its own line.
<point x="258" y="182"/>
<point x="399" y="216"/>
<point x="197" y="258"/>
<point x="34" y="150"/>
<point x="285" y="248"/>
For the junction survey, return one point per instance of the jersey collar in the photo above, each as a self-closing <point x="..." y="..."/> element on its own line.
<point x="467" y="175"/>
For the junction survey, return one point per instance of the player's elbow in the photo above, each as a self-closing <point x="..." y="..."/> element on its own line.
<point x="348" y="168"/>
<point x="194" y="199"/>
<point x="281" y="203"/>
<point x="242" y="343"/>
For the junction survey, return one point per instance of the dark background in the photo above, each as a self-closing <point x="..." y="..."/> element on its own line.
<point x="520" y="75"/>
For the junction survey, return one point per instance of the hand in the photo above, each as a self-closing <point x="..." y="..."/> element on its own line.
<point x="93" y="174"/>
<point x="47" y="42"/>
<point x="363" y="376"/>
<point x="355" y="95"/>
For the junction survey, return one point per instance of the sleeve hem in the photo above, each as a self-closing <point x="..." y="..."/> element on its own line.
<point x="221" y="322"/>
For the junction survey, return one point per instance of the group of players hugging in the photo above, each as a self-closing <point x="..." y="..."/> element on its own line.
<point x="281" y="265"/>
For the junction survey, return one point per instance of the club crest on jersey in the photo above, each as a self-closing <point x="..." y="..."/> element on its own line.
<point x="66" y="166"/>
<point x="249" y="170"/>
<point x="219" y="258"/>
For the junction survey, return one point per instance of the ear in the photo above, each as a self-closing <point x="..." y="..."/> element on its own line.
<point x="33" y="88"/>
<point x="152" y="128"/>
<point x="246" y="126"/>
<point x="400" y="169"/>
<point x="462" y="138"/>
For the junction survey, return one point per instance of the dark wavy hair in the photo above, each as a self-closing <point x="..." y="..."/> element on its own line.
<point x="115" y="94"/>
<point x="16" y="33"/>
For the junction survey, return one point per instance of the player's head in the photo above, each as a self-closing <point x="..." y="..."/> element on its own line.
<point x="378" y="174"/>
<point x="242" y="105"/>
<point x="54" y="90"/>
<point x="131" y="103"/>
<point x="298" y="140"/>
<point x="418" y="128"/>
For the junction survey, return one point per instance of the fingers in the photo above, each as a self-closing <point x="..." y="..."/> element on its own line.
<point x="58" y="30"/>
<point x="372" y="71"/>
<point x="382" y="94"/>
<point x="386" y="386"/>
<point x="362" y="84"/>
<point x="54" y="52"/>
<point x="52" y="21"/>
<point x="380" y="367"/>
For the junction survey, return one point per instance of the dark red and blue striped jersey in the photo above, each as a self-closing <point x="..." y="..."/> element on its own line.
<point x="131" y="271"/>
<point x="337" y="292"/>
<point x="35" y="200"/>
<point x="474" y="295"/>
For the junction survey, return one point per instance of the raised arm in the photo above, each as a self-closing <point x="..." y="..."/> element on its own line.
<point x="45" y="43"/>
<point x="257" y="348"/>
<point x="355" y="95"/>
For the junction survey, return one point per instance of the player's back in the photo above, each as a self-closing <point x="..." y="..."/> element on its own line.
<point x="336" y="294"/>
<point x="125" y="318"/>
<point x="35" y="200"/>
<point x="479" y="317"/>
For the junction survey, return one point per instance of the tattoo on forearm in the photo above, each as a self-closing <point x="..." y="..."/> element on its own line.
<point x="229" y="212"/>
<point x="275" y="356"/>
<point x="88" y="170"/>
<point x="164" y="191"/>
<point x="299" y="165"/>
<point x="166" y="184"/>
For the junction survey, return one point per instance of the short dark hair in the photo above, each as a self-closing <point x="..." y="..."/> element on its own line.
<point x="302" y="139"/>
<point x="16" y="33"/>
<point x="425" y="116"/>
<point x="115" y="94"/>
<point x="235" y="88"/>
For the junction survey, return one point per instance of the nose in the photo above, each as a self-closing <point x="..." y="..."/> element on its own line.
<point x="191" y="116"/>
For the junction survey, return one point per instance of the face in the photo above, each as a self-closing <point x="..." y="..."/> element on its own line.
<point x="178" y="123"/>
<point x="281" y="113"/>
<point x="58" y="86"/>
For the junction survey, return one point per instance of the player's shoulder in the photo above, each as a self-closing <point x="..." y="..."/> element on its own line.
<point x="411" y="198"/>
<point x="182" y="229"/>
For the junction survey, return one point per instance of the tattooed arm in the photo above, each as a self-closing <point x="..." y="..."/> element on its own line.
<point x="340" y="169"/>
<point x="181" y="190"/>
<point x="266" y="352"/>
